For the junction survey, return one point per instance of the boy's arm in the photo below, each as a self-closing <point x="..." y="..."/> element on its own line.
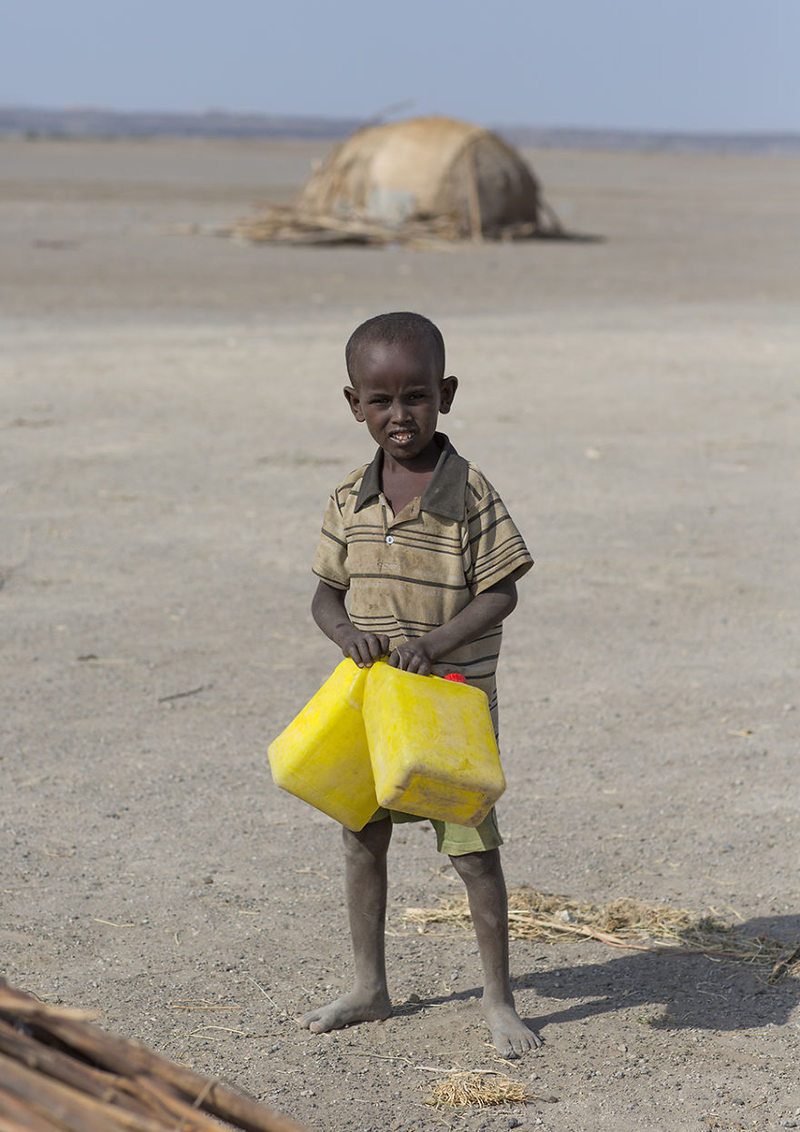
<point x="329" y="612"/>
<point x="483" y="612"/>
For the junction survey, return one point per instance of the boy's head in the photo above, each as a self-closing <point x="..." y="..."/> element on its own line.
<point x="396" y="365"/>
<point x="396" y="327"/>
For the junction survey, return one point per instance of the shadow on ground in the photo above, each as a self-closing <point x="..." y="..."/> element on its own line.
<point x="669" y="991"/>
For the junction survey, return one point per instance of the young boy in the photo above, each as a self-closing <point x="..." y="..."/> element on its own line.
<point x="430" y="558"/>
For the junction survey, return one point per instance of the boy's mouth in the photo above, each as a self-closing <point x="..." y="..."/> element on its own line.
<point x="402" y="436"/>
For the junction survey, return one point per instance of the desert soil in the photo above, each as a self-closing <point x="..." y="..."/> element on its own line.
<point x="172" y="423"/>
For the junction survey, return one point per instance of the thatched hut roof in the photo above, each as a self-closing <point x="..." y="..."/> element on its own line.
<point x="423" y="169"/>
<point x="417" y="183"/>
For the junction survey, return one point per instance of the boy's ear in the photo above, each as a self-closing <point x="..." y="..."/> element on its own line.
<point x="447" y="393"/>
<point x="354" y="401"/>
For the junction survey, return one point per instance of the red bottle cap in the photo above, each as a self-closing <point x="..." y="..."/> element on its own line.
<point x="456" y="677"/>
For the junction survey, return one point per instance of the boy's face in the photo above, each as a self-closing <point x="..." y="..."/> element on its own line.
<point x="399" y="393"/>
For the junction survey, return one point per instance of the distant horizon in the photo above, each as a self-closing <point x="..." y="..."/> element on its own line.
<point x="350" y="122"/>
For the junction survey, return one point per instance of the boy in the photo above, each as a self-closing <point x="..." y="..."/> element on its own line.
<point x="430" y="558"/>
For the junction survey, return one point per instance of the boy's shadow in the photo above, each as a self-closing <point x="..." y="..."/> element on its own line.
<point x="670" y="990"/>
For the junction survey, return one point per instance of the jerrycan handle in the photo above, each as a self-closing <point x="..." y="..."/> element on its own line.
<point x="456" y="677"/>
<point x="353" y="684"/>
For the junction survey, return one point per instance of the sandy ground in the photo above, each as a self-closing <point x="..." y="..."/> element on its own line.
<point x="171" y="426"/>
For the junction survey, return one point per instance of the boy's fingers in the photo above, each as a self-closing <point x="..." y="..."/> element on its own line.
<point x="358" y="654"/>
<point x="412" y="662"/>
<point x="367" y="649"/>
<point x="378" y="646"/>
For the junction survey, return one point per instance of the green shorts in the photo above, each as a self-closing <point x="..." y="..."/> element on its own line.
<point x="455" y="840"/>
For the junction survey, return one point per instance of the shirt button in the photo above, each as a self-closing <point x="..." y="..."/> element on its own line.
<point x="390" y="539"/>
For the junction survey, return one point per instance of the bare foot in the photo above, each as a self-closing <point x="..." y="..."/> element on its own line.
<point x="512" y="1038"/>
<point x="350" y="1008"/>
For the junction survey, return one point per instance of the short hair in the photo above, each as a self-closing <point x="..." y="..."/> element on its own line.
<point x="397" y="326"/>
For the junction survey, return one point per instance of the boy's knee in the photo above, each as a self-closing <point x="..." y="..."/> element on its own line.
<point x="472" y="866"/>
<point x="373" y="840"/>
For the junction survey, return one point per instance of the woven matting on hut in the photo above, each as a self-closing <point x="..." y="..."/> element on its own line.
<point x="623" y="923"/>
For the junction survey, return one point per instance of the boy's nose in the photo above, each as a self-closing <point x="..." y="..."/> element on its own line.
<point x="400" y="412"/>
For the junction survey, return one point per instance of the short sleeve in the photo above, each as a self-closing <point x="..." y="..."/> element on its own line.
<point x="497" y="549"/>
<point x="330" y="564"/>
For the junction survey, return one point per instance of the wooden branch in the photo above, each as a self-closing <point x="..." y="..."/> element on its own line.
<point x="556" y="228"/>
<point x="473" y="200"/>
<point x="782" y="966"/>
<point x="150" y="1093"/>
<point x="141" y="1095"/>
<point x="130" y="1057"/>
<point x="60" y="1066"/>
<point x="69" y="1108"/>
<point x="18" y="1117"/>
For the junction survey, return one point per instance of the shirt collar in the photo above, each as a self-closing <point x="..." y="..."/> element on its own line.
<point x="446" y="491"/>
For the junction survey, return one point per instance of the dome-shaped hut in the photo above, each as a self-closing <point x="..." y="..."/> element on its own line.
<point x="424" y="169"/>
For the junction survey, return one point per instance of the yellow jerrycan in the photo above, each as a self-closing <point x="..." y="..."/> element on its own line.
<point x="432" y="746"/>
<point x="322" y="756"/>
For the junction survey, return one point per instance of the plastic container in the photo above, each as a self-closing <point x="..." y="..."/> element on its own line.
<point x="322" y="756"/>
<point x="432" y="746"/>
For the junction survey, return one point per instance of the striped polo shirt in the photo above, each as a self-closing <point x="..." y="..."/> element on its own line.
<point x="409" y="573"/>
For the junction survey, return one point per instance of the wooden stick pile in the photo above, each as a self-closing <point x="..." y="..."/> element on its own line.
<point x="289" y="225"/>
<point x="59" y="1072"/>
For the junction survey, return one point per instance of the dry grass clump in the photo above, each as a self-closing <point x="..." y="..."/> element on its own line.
<point x="287" y="224"/>
<point x="469" y="1087"/>
<point x="625" y="923"/>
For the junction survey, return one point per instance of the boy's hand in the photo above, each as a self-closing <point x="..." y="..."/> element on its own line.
<point x="412" y="656"/>
<point x="329" y="612"/>
<point x="363" y="648"/>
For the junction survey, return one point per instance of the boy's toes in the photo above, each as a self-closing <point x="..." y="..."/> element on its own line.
<point x="515" y="1047"/>
<point x="512" y="1038"/>
<point x="312" y="1021"/>
<point x="524" y="1043"/>
<point x="350" y="1008"/>
<point x="506" y="1050"/>
<point x="518" y="1045"/>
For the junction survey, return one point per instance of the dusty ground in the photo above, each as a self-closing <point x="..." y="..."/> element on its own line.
<point x="171" y="426"/>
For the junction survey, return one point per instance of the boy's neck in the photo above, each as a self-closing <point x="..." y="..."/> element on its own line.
<point x="404" y="480"/>
<point x="421" y="464"/>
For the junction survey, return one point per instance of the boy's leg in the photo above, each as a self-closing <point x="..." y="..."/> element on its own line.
<point x="482" y="873"/>
<point x="365" y="878"/>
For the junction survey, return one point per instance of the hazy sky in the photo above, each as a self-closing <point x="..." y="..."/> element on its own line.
<point x="700" y="65"/>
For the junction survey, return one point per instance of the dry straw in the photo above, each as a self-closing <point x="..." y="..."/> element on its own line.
<point x="624" y="923"/>
<point x="476" y="1088"/>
